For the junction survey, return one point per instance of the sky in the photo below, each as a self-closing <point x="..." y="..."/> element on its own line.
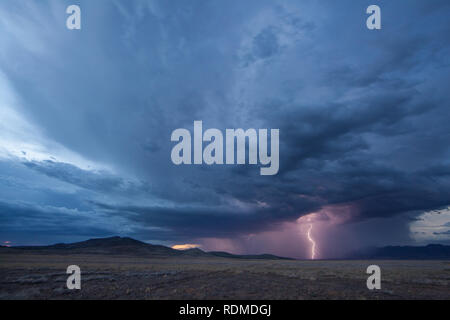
<point x="86" y="118"/>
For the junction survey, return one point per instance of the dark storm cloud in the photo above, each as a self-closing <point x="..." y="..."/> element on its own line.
<point x="17" y="218"/>
<point x="199" y="221"/>
<point x="99" y="181"/>
<point x="363" y="115"/>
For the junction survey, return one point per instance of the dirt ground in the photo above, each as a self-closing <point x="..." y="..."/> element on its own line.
<point x="34" y="276"/>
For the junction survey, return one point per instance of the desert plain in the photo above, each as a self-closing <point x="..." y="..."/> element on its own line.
<point x="43" y="276"/>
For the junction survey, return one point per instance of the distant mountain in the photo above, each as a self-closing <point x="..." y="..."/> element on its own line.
<point x="237" y="256"/>
<point x="112" y="245"/>
<point x="429" y="252"/>
<point x="126" y="246"/>
<point x="129" y="246"/>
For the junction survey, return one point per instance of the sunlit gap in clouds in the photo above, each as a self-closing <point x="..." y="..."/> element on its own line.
<point x="433" y="225"/>
<point x="185" y="246"/>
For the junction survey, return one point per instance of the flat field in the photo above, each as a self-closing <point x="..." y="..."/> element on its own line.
<point x="43" y="276"/>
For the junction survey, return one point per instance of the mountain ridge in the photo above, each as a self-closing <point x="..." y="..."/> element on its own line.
<point x="428" y="252"/>
<point x="130" y="246"/>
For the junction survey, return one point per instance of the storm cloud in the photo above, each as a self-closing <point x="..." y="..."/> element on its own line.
<point x="86" y="118"/>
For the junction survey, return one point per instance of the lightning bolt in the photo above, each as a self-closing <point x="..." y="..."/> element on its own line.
<point x="313" y="243"/>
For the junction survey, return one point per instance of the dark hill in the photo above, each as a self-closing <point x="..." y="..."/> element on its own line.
<point x="113" y="245"/>
<point x="236" y="256"/>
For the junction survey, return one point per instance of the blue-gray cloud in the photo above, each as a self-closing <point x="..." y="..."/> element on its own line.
<point x="363" y="115"/>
